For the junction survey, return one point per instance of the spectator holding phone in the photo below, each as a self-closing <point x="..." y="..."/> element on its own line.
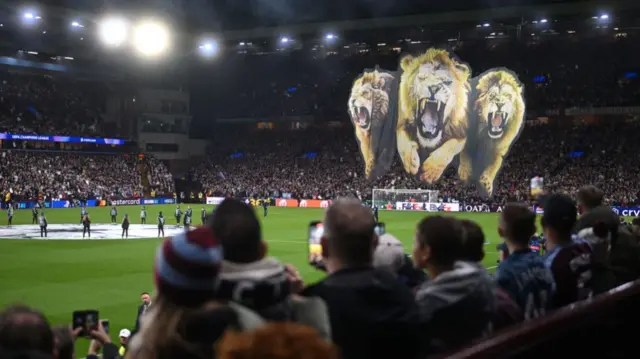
<point x="373" y="315"/>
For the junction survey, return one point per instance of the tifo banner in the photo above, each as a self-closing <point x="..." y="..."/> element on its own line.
<point x="433" y="111"/>
<point x="215" y="200"/>
<point x="428" y="207"/>
<point x="304" y="203"/>
<point x="627" y="211"/>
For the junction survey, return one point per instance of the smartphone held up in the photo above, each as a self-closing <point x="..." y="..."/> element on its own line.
<point x="87" y="320"/>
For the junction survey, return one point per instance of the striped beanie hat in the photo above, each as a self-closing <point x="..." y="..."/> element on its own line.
<point x="186" y="267"/>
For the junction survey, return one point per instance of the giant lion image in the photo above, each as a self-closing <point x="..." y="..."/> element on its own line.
<point x="432" y="112"/>
<point x="436" y="113"/>
<point x="498" y="119"/>
<point x="369" y="109"/>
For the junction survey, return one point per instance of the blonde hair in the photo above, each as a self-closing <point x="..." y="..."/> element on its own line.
<point x="159" y="329"/>
<point x="276" y="341"/>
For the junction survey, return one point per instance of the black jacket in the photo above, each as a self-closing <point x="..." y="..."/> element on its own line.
<point x="372" y="314"/>
<point x="140" y="312"/>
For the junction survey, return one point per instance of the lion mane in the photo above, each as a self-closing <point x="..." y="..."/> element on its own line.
<point x="432" y="115"/>
<point x="498" y="111"/>
<point x="368" y="109"/>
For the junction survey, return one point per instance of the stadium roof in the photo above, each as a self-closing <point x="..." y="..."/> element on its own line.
<point x="68" y="28"/>
<point x="230" y="15"/>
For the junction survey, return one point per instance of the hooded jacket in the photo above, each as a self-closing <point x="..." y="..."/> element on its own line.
<point x="624" y="256"/>
<point x="457" y="306"/>
<point x="263" y="287"/>
<point x="373" y="315"/>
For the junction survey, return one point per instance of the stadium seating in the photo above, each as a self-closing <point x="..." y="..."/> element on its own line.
<point x="597" y="328"/>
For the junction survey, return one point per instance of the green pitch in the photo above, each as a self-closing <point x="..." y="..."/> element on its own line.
<point x="60" y="276"/>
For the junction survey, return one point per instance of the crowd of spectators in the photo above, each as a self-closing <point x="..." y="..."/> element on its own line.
<point x="326" y="163"/>
<point x="29" y="175"/>
<point x="218" y="293"/>
<point x="41" y="104"/>
<point x="158" y="175"/>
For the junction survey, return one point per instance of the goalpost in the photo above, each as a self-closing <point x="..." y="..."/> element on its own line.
<point x="383" y="197"/>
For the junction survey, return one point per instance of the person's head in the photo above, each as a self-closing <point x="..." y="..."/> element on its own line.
<point x="236" y="226"/>
<point x="64" y="345"/>
<point x="124" y="336"/>
<point x="276" y="341"/>
<point x="389" y="253"/>
<point x="438" y="244"/>
<point x="145" y="297"/>
<point x="559" y="218"/>
<point x="589" y="197"/>
<point x="474" y="240"/>
<point x="160" y="214"/>
<point x="517" y="225"/>
<point x="635" y="225"/>
<point x="23" y="329"/>
<point x="348" y="239"/>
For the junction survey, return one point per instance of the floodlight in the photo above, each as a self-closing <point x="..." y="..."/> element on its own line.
<point x="543" y="21"/>
<point x="330" y="36"/>
<point x="113" y="31"/>
<point x="604" y="17"/>
<point x="242" y="43"/>
<point x="76" y="24"/>
<point x="28" y="15"/>
<point x="284" y="40"/>
<point x="209" y="48"/>
<point x="486" y="24"/>
<point x="151" y="38"/>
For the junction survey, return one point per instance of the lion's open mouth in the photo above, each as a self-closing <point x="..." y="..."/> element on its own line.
<point x="430" y="115"/>
<point x="362" y="116"/>
<point x="497" y="121"/>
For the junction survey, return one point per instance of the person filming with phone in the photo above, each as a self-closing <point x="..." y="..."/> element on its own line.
<point x="373" y="315"/>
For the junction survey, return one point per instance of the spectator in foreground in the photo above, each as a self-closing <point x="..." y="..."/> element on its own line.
<point x="570" y="260"/>
<point x="507" y="311"/>
<point x="373" y="315"/>
<point x="623" y="257"/>
<point x="276" y="341"/>
<point x="457" y="304"/>
<point x="25" y="332"/>
<point x="390" y="255"/>
<point x="64" y="342"/>
<point x="186" y="320"/>
<point x="523" y="274"/>
<point x="251" y="278"/>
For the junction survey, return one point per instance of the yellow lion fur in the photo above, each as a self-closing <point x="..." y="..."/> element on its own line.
<point x="503" y="88"/>
<point x="455" y="122"/>
<point x="369" y="90"/>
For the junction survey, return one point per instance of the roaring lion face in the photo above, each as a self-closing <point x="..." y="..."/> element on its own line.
<point x="499" y="103"/>
<point x="434" y="84"/>
<point x="366" y="97"/>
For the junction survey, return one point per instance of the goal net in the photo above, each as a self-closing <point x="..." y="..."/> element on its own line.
<point x="404" y="198"/>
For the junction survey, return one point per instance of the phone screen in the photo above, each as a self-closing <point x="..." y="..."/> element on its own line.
<point x="316" y="229"/>
<point x="85" y="319"/>
<point x="105" y="325"/>
<point x="380" y="229"/>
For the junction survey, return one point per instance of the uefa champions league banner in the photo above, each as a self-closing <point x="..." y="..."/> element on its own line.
<point x="432" y="112"/>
